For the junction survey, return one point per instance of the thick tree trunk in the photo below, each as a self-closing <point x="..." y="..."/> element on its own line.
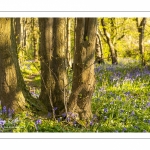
<point x="53" y="69"/>
<point x="45" y="51"/>
<point x="13" y="93"/>
<point x="110" y="44"/>
<point x="83" y="69"/>
<point x="10" y="93"/>
<point x="141" y="28"/>
<point x="59" y="73"/>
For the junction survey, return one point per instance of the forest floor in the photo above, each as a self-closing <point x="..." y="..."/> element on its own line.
<point x="120" y="103"/>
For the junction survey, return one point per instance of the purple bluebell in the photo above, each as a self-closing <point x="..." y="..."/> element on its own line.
<point x="91" y="123"/>
<point x="58" y="119"/>
<point x="38" y="121"/>
<point x="148" y="104"/>
<point x="132" y="113"/>
<point x="2" y="122"/>
<point x="105" y="110"/>
<point x="74" y="123"/>
<point x="64" y="115"/>
<point x="55" y="108"/>
<point x="49" y="115"/>
<point x="4" y="109"/>
<point x="124" y="129"/>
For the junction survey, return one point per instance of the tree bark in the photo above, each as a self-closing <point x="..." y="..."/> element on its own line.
<point x="45" y="52"/>
<point x="69" y="62"/>
<point x="59" y="73"/>
<point x="53" y="68"/>
<point x="13" y="92"/>
<point x="83" y="69"/>
<point x="141" y="28"/>
<point x="109" y="42"/>
<point x="99" y="50"/>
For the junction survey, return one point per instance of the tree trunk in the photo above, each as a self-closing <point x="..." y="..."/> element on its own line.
<point x="13" y="93"/>
<point x="69" y="62"/>
<point x="45" y="51"/>
<point x="17" y="30"/>
<point x="110" y="44"/>
<point x="59" y="73"/>
<point x="99" y="50"/>
<point x="83" y="69"/>
<point x="141" y="28"/>
<point x="53" y="69"/>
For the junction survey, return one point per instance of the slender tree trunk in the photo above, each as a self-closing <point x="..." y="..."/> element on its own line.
<point x="69" y="62"/>
<point x="99" y="50"/>
<point x="109" y="42"/>
<point x="17" y="30"/>
<point x="141" y="28"/>
<point x="83" y="70"/>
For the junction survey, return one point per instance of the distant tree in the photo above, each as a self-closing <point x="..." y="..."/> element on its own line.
<point x="83" y="68"/>
<point x="68" y="51"/>
<point x="99" y="50"/>
<point x="110" y="43"/>
<point x="141" y="27"/>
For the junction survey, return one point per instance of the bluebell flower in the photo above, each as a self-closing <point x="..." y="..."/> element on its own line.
<point x="133" y="113"/>
<point x="94" y="116"/>
<point x="74" y="123"/>
<point x="121" y="111"/>
<point x="105" y="110"/>
<point x="58" y="119"/>
<point x="124" y="129"/>
<point x="2" y="122"/>
<point x="38" y="121"/>
<point x="148" y="104"/>
<point x="49" y="115"/>
<point x="4" y="109"/>
<point x="55" y="108"/>
<point x="64" y="115"/>
<point x="91" y="123"/>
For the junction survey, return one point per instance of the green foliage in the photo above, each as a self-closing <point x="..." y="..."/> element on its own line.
<point x="120" y="103"/>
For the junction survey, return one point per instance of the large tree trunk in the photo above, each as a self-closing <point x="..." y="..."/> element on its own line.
<point x="83" y="68"/>
<point x="141" y="28"/>
<point x="59" y="73"/>
<point x="53" y="69"/>
<point x="45" y="51"/>
<point x="13" y="93"/>
<point x="109" y="42"/>
<point x="10" y="88"/>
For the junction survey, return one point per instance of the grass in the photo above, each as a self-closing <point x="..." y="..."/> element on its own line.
<point x="120" y="103"/>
